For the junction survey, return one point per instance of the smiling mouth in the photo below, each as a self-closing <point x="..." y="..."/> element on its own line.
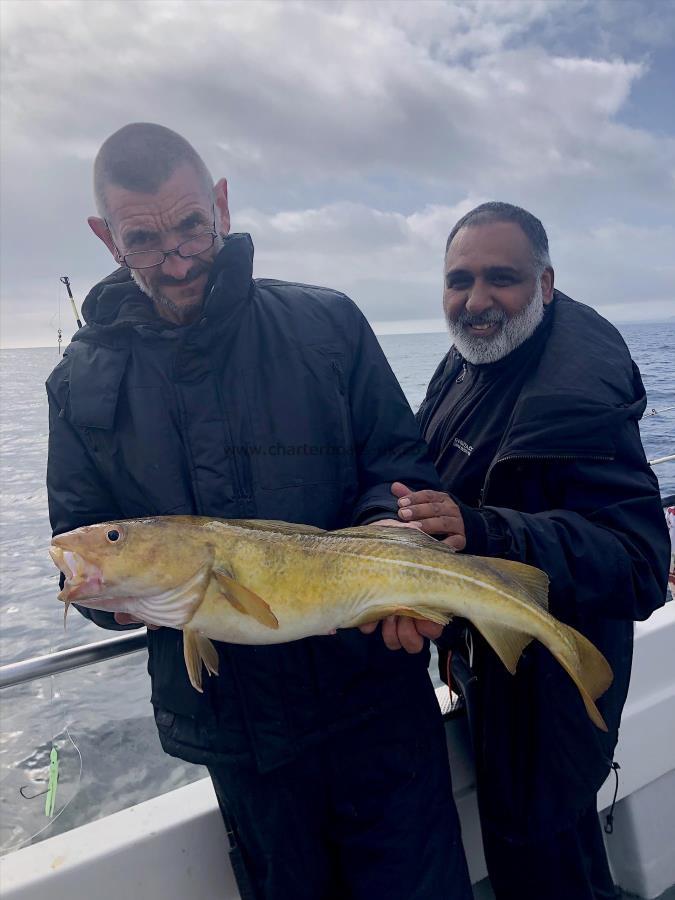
<point x="485" y="328"/>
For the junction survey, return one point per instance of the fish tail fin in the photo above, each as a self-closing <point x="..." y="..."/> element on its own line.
<point x="584" y="663"/>
<point x="198" y="649"/>
<point x="590" y="671"/>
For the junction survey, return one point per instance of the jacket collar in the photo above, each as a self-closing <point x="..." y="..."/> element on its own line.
<point x="116" y="303"/>
<point x="582" y="388"/>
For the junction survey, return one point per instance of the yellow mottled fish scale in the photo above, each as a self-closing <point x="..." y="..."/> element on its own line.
<point x="258" y="582"/>
<point x="317" y="584"/>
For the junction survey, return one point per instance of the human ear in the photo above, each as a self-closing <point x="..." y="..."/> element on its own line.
<point x="223" y="210"/>
<point x="102" y="232"/>
<point x="547" y="278"/>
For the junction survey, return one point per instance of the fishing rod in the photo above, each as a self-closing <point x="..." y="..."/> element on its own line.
<point x="65" y="280"/>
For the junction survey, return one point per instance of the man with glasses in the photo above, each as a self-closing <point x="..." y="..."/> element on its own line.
<point x="196" y="389"/>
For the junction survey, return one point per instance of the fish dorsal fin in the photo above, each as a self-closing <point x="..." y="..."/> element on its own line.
<point x="287" y="528"/>
<point x="507" y="643"/>
<point x="244" y="600"/>
<point x="198" y="649"/>
<point x="412" y="537"/>
<point x="532" y="581"/>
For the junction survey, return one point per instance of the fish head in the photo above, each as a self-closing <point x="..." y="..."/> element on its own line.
<point x="150" y="568"/>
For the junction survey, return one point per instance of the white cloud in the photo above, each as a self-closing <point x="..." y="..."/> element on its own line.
<point x="352" y="133"/>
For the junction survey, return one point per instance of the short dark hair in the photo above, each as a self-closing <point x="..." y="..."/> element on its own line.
<point x="494" y="211"/>
<point x="141" y="157"/>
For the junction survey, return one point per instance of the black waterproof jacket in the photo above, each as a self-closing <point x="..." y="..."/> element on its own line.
<point x="277" y="404"/>
<point x="569" y="491"/>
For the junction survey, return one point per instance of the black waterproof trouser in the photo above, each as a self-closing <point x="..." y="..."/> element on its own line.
<point x="368" y="815"/>
<point x="569" y="865"/>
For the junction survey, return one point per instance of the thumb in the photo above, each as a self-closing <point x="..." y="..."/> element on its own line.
<point x="399" y="489"/>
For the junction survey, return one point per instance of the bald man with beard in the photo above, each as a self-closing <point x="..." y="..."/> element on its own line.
<point x="532" y="421"/>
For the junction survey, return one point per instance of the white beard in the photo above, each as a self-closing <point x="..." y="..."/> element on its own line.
<point x="513" y="332"/>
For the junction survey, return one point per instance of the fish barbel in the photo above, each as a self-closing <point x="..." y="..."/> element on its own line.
<point x="261" y="582"/>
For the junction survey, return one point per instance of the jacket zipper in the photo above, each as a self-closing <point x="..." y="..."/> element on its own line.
<point x="561" y="456"/>
<point x="344" y="413"/>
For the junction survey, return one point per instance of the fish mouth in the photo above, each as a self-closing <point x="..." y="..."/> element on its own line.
<point x="83" y="578"/>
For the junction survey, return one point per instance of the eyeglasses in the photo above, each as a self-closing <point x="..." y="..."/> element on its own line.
<point x="148" y="259"/>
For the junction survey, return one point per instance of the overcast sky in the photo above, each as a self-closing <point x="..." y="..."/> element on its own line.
<point x="353" y="135"/>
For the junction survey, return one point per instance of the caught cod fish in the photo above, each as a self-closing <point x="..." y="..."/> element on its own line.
<point x="261" y="582"/>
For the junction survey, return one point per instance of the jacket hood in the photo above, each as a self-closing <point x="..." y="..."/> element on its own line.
<point x="117" y="302"/>
<point x="583" y="387"/>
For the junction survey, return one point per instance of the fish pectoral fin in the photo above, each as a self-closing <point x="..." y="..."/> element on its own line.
<point x="531" y="580"/>
<point x="198" y="649"/>
<point x="507" y="643"/>
<point x="244" y="600"/>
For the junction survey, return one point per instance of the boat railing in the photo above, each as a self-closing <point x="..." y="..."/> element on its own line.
<point x="73" y="658"/>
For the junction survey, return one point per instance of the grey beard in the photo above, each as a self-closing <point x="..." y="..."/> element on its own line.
<point x="513" y="332"/>
<point x="169" y="304"/>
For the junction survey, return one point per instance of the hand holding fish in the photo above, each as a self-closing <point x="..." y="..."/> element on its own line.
<point x="123" y="618"/>
<point x="433" y="511"/>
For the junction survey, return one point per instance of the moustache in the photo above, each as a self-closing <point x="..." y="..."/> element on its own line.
<point x="192" y="275"/>
<point x="488" y="318"/>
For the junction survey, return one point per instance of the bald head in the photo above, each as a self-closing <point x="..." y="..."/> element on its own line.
<point x="141" y="157"/>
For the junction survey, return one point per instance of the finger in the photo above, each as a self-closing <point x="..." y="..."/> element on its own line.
<point x="425" y="496"/>
<point x="409" y="637"/>
<point x="369" y="627"/>
<point x="396" y="523"/>
<point x="399" y="489"/>
<point x="440" y="525"/>
<point x="429" y="629"/>
<point x="429" y="510"/>
<point x="386" y="522"/>
<point x="123" y="618"/>
<point x="389" y="633"/>
<point x="456" y="541"/>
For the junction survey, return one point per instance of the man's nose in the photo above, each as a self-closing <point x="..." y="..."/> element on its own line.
<point x="480" y="298"/>
<point x="176" y="267"/>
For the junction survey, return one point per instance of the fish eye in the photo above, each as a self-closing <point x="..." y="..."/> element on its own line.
<point x="113" y="535"/>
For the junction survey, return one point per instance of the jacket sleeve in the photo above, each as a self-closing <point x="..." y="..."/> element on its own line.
<point x="386" y="437"/>
<point x="605" y="547"/>
<point x="76" y="493"/>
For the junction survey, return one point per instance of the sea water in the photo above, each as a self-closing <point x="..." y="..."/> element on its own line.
<point x="99" y="717"/>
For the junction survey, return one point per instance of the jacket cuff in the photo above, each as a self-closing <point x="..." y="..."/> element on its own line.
<point x="105" y="619"/>
<point x="378" y="516"/>
<point x="452" y="636"/>
<point x="475" y="529"/>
